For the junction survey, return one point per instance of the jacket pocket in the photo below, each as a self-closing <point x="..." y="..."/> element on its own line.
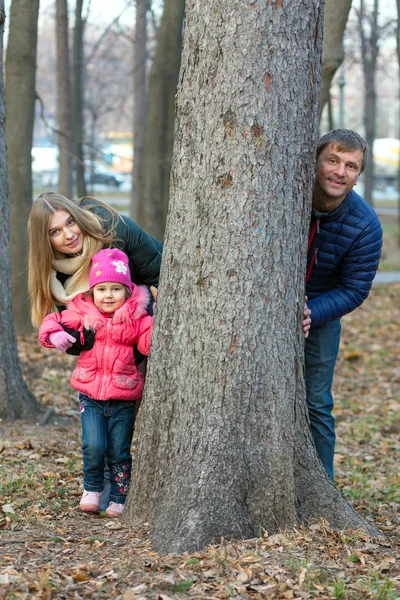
<point x="125" y="377"/>
<point x="85" y="371"/>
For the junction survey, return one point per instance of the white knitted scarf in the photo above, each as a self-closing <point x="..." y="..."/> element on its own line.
<point x="67" y="292"/>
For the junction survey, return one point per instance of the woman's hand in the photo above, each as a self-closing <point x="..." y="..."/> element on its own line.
<point x="154" y="292"/>
<point x="61" y="340"/>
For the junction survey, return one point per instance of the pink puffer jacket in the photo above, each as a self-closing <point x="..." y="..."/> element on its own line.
<point x="107" y="371"/>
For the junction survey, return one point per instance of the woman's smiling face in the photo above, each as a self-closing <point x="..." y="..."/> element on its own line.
<point x="65" y="235"/>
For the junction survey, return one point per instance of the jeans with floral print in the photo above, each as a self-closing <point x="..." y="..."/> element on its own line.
<point x="107" y="427"/>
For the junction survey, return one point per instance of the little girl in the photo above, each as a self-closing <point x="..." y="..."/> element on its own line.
<point x="106" y="376"/>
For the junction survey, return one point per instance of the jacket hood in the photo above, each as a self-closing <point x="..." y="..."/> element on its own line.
<point x="132" y="309"/>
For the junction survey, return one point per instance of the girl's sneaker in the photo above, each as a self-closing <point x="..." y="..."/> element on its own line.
<point x="90" y="501"/>
<point x="114" y="509"/>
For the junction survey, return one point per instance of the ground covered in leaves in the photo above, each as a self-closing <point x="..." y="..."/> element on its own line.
<point x="48" y="549"/>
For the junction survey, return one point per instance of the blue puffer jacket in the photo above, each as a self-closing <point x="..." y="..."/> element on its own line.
<point x="343" y="259"/>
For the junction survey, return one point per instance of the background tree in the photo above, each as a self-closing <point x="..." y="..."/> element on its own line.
<point x="20" y="109"/>
<point x="158" y="140"/>
<point x="15" y="398"/>
<point x="224" y="446"/>
<point x="78" y="99"/>
<point x="369" y="37"/>
<point x="63" y="99"/>
<point x="139" y="109"/>
<point x="108" y="87"/>
<point x="398" y="60"/>
<point x="336" y="15"/>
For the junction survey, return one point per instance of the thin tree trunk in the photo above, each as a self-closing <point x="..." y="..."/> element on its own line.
<point x="331" y="122"/>
<point x="63" y="99"/>
<point x="15" y="398"/>
<point x="160" y="119"/>
<point x="336" y="15"/>
<point x="139" y="113"/>
<point x="369" y="53"/>
<point x="77" y="99"/>
<point x="20" y="113"/>
<point x="398" y="59"/>
<point x="224" y="445"/>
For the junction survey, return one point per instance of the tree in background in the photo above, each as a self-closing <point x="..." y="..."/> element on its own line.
<point x="369" y="38"/>
<point x="139" y="109"/>
<point x="398" y="60"/>
<point x="160" y="116"/>
<point x="16" y="401"/>
<point x="63" y="100"/>
<point x="336" y="15"/>
<point x="78" y="99"/>
<point x="224" y="445"/>
<point x="20" y="109"/>
<point x="108" y="88"/>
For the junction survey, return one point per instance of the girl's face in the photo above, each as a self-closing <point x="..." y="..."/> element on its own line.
<point x="65" y="235"/>
<point x="109" y="296"/>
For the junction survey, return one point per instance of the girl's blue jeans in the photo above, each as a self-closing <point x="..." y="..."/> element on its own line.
<point x="107" y="427"/>
<point x="321" y="350"/>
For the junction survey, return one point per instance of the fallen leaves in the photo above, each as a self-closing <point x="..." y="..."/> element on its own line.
<point x="49" y="550"/>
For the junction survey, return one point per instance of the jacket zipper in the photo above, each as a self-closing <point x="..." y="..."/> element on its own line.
<point x="105" y="356"/>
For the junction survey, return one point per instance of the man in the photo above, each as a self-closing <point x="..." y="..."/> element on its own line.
<point x="344" y="248"/>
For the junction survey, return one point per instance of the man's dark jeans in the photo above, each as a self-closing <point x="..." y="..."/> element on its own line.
<point x="107" y="428"/>
<point x="321" y="350"/>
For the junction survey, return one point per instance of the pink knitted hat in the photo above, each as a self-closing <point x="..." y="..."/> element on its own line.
<point x="110" y="265"/>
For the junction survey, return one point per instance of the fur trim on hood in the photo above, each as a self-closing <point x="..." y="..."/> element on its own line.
<point x="134" y="308"/>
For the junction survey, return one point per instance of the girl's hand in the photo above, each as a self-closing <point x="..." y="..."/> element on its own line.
<point x="61" y="340"/>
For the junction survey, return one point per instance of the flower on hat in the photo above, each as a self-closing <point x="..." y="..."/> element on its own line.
<point x="120" y="266"/>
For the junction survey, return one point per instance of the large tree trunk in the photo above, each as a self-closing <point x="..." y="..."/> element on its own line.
<point x="77" y="99"/>
<point x="139" y="112"/>
<point x="336" y="15"/>
<point x="160" y="118"/>
<point x="368" y="26"/>
<point x="20" y="107"/>
<point x="63" y="100"/>
<point x="224" y="446"/>
<point x="15" y="398"/>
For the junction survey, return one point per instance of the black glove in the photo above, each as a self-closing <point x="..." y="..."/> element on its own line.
<point x="77" y="347"/>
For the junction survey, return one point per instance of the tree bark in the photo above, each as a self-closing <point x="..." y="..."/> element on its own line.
<point x="369" y="53"/>
<point x="20" y="109"/>
<point x="224" y="445"/>
<point x="63" y="100"/>
<point x="160" y="119"/>
<point x="77" y="99"/>
<point x="336" y="15"/>
<point x="139" y="111"/>
<point x="15" y="398"/>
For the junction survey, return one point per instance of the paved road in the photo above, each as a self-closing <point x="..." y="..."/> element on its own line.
<point x="387" y="211"/>
<point x="387" y="277"/>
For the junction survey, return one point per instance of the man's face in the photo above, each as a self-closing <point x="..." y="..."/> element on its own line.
<point x="337" y="172"/>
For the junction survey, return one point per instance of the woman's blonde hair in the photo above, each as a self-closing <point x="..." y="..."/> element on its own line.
<point x="41" y="253"/>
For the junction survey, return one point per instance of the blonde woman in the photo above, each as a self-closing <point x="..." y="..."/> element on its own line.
<point x="63" y="237"/>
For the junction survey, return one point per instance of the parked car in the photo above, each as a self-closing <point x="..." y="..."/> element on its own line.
<point x="108" y="179"/>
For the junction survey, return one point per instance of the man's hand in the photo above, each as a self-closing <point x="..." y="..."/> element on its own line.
<point x="306" y="324"/>
<point x="61" y="340"/>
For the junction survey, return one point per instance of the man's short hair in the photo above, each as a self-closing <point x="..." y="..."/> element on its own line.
<point x="346" y="141"/>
